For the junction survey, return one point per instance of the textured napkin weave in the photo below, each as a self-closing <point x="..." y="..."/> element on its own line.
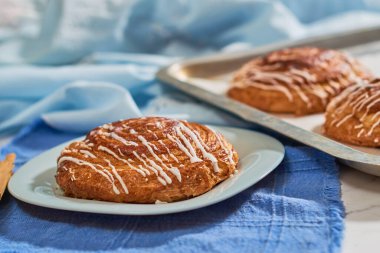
<point x="297" y="208"/>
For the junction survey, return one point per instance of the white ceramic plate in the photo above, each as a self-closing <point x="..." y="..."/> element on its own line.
<point x="259" y="154"/>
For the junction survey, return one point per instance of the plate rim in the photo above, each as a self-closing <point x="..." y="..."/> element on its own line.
<point x="158" y="211"/>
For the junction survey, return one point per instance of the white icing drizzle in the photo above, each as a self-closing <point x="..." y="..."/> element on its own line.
<point x="301" y="94"/>
<point x="270" y="76"/>
<point x="279" y="88"/>
<point x="107" y="172"/>
<point x="162" y="173"/>
<point x="350" y="92"/>
<point x="373" y="127"/>
<point x="286" y="82"/>
<point x="340" y="122"/>
<point x="205" y="154"/>
<point x="92" y="166"/>
<point x="132" y="131"/>
<point x="147" y="172"/>
<point x="320" y="92"/>
<point x="110" y="152"/>
<point x="147" y="144"/>
<point x="154" y="146"/>
<point x="334" y="84"/>
<point x="108" y="126"/>
<point x="170" y="154"/>
<point x="162" y="181"/>
<point x="361" y="132"/>
<point x="174" y="139"/>
<point x="118" y="177"/>
<point x="72" y="175"/>
<point x="358" y="102"/>
<point x="173" y="156"/>
<point x="82" y="145"/>
<point x="159" y="169"/>
<point x="200" y="139"/>
<point x="375" y="115"/>
<point x="144" y="162"/>
<point x="368" y="107"/>
<point x="228" y="151"/>
<point x="329" y="90"/>
<point x="165" y="157"/>
<point x="88" y="153"/>
<point x="119" y="138"/>
<point x="153" y="133"/>
<point x="304" y="74"/>
<point x="194" y="157"/>
<point x="176" y="173"/>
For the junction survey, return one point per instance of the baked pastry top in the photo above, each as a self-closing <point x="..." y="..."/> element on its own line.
<point x="354" y="115"/>
<point x="145" y="160"/>
<point x="295" y="80"/>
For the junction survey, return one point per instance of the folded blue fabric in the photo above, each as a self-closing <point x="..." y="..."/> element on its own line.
<point x="297" y="208"/>
<point x="81" y="96"/>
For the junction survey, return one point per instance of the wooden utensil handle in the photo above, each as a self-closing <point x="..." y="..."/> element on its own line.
<point x="6" y="167"/>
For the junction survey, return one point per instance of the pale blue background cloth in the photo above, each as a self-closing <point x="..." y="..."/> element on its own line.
<point x="98" y="42"/>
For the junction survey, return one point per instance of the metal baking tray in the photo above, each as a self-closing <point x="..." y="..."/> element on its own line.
<point x="207" y="79"/>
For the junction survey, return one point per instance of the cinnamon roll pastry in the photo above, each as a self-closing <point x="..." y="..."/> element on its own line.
<point x="145" y="160"/>
<point x="354" y="115"/>
<point x="295" y="80"/>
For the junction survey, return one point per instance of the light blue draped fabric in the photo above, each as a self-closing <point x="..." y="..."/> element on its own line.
<point x="79" y="64"/>
<point x="123" y="43"/>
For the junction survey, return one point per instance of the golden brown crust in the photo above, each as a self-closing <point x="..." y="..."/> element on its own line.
<point x="296" y="80"/>
<point x="354" y="115"/>
<point x="155" y="158"/>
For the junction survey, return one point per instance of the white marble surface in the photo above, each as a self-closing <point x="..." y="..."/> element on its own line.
<point x="361" y="197"/>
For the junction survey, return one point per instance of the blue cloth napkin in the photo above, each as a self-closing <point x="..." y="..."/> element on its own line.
<point x="297" y="208"/>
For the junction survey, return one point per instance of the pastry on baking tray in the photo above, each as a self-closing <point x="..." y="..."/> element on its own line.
<point x="354" y="115"/>
<point x="295" y="80"/>
<point x="145" y="160"/>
